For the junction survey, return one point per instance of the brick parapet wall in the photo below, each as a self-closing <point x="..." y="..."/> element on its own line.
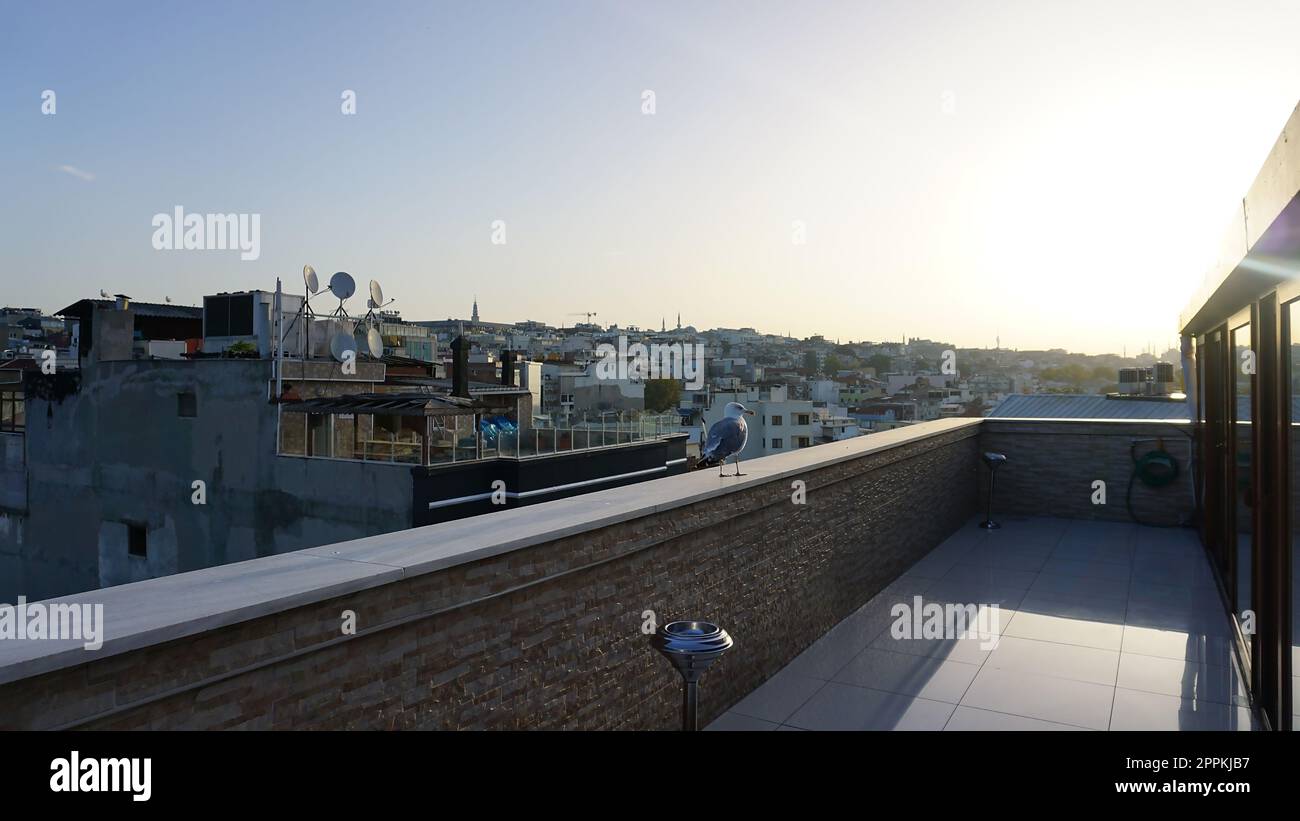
<point x="1052" y="464"/>
<point x="548" y="636"/>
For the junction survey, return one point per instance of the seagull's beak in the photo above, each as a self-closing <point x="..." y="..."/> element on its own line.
<point x="748" y="412"/>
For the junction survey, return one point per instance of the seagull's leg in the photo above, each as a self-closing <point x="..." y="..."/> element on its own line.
<point x="738" y="473"/>
<point x="720" y="466"/>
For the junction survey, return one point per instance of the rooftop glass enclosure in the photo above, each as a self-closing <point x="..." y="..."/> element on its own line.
<point x="1242" y="344"/>
<point x="432" y="430"/>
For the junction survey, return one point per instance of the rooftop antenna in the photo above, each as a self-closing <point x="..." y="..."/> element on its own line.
<point x="343" y="286"/>
<point x="304" y="312"/>
<point x="375" y="343"/>
<point x="341" y="345"/>
<point x="375" y="302"/>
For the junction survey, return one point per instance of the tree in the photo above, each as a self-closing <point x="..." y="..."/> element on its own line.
<point x="881" y="363"/>
<point x="810" y="362"/>
<point x="832" y="364"/>
<point x="662" y="394"/>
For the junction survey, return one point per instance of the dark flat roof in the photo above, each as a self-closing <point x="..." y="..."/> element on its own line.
<point x="83" y="307"/>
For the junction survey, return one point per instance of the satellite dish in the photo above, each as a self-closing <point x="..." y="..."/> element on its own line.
<point x="342" y="285"/>
<point x="342" y="344"/>
<point x="375" y="343"/>
<point x="376" y="293"/>
<point x="309" y="277"/>
<point x="370" y="303"/>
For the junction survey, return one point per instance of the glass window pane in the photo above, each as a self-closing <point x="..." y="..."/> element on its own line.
<point x="1243" y="490"/>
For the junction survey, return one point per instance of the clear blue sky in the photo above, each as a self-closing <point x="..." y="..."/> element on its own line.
<point x="962" y="169"/>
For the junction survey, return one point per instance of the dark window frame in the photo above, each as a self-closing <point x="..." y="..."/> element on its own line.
<point x="137" y="540"/>
<point x="12" y="400"/>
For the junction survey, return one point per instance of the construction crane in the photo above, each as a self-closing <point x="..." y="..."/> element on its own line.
<point x="587" y="314"/>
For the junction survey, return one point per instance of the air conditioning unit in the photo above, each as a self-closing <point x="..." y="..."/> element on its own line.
<point x="1130" y="380"/>
<point x="247" y="316"/>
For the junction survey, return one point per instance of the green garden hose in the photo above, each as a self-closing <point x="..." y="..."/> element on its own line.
<point x="1155" y="468"/>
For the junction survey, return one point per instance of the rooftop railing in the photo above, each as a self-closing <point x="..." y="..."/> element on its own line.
<point x="455" y="438"/>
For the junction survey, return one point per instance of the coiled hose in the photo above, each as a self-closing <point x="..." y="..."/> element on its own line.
<point x="1155" y="468"/>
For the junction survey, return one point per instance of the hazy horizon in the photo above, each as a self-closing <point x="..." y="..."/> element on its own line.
<point x="1056" y="176"/>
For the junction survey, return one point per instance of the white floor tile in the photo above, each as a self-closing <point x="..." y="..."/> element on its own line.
<point x="1149" y="711"/>
<point x="824" y="658"/>
<point x="1099" y="634"/>
<point x="969" y="573"/>
<point x="1067" y="661"/>
<point x="1106" y="571"/>
<point x="909" y="675"/>
<point x="1092" y="552"/>
<point x="846" y="707"/>
<point x="730" y="721"/>
<point x="1192" y="680"/>
<point x="1177" y="644"/>
<point x="971" y="718"/>
<point x="1081" y="703"/>
<point x="777" y="698"/>
<point x="968" y="650"/>
<point x="1075" y="606"/>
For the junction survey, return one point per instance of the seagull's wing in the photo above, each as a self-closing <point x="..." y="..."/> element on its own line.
<point x="727" y="436"/>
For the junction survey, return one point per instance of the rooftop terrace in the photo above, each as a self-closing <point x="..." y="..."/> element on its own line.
<point x="1099" y="625"/>
<point x="535" y="617"/>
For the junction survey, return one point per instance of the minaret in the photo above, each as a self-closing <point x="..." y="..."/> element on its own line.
<point x="679" y="320"/>
<point x="663" y="324"/>
<point x="474" y="316"/>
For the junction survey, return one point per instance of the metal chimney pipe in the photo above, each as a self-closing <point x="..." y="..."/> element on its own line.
<point x="508" y="368"/>
<point x="460" y="367"/>
<point x="691" y="646"/>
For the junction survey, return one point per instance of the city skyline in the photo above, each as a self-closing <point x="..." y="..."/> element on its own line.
<point x="825" y="172"/>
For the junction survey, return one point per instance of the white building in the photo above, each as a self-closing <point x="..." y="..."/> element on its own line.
<point x="779" y="424"/>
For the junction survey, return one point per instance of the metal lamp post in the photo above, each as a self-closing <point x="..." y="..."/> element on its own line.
<point x="992" y="460"/>
<point x="691" y="646"/>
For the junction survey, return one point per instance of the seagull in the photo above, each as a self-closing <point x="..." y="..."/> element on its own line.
<point x="726" y="438"/>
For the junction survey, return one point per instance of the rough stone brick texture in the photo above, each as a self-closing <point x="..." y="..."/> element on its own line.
<point x="549" y="636"/>
<point x="1051" y="465"/>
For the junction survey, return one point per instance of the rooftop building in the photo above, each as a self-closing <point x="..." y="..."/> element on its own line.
<point x="146" y="465"/>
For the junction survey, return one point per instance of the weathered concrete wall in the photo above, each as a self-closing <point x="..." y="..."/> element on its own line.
<point x="119" y="452"/>
<point x="13" y="473"/>
<point x="1052" y="464"/>
<point x="543" y="635"/>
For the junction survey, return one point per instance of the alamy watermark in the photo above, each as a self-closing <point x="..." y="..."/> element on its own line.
<point x="920" y="620"/>
<point x="209" y="232"/>
<point x="654" y="361"/>
<point x="54" y="620"/>
<point x="128" y="775"/>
